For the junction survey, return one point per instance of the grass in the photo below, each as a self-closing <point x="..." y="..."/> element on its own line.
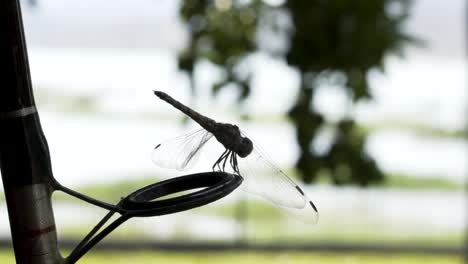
<point x="264" y="234"/>
<point x="60" y="101"/>
<point x="123" y="233"/>
<point x="427" y="183"/>
<point x="266" y="223"/>
<point x="89" y="105"/>
<point x="112" y="192"/>
<point x="404" y="182"/>
<point x="371" y="235"/>
<point x="421" y="129"/>
<point x="143" y="257"/>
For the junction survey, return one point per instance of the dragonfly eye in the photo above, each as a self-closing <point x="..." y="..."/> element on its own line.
<point x="246" y="147"/>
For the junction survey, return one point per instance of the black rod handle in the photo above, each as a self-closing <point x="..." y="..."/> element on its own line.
<point x="24" y="154"/>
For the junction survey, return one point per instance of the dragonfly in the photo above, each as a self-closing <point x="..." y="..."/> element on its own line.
<point x="273" y="184"/>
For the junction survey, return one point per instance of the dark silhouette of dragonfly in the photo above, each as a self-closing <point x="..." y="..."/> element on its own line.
<point x="182" y="152"/>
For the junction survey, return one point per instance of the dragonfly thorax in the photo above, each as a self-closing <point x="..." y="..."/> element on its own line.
<point x="231" y="138"/>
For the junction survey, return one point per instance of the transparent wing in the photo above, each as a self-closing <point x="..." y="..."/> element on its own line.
<point x="182" y="152"/>
<point x="263" y="178"/>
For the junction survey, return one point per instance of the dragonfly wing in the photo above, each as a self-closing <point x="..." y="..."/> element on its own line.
<point x="182" y="152"/>
<point x="263" y="178"/>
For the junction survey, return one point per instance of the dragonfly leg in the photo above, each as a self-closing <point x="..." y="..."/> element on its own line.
<point x="226" y="158"/>
<point x="234" y="164"/>
<point x="220" y="159"/>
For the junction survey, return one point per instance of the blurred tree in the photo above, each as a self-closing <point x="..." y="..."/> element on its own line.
<point x="333" y="42"/>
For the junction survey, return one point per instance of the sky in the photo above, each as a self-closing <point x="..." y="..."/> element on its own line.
<point x="155" y="24"/>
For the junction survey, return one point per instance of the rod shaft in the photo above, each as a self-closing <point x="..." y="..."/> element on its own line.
<point x="24" y="154"/>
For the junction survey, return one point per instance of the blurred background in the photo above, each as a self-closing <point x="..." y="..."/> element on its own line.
<point x="362" y="102"/>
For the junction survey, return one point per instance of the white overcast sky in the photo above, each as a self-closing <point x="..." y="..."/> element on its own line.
<point x="155" y="24"/>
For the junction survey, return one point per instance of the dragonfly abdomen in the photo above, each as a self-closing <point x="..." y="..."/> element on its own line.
<point x="206" y="122"/>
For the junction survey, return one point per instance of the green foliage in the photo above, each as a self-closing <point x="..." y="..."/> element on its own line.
<point x="221" y="33"/>
<point x="341" y="35"/>
<point x="333" y="42"/>
<point x="143" y="257"/>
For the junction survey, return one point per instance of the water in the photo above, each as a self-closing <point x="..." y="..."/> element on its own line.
<point x="87" y="149"/>
<point x="410" y="153"/>
<point x="92" y="149"/>
<point x="401" y="213"/>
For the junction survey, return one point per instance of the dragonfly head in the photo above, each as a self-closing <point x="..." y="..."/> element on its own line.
<point x="245" y="147"/>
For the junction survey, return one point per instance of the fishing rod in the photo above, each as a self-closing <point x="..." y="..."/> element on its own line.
<point x="26" y="170"/>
